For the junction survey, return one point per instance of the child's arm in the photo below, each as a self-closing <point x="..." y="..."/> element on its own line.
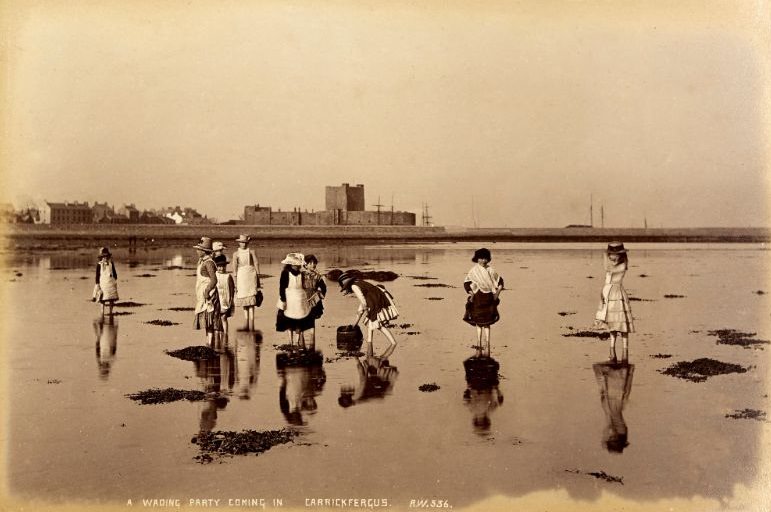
<point x="114" y="272"/>
<point x="231" y="288"/>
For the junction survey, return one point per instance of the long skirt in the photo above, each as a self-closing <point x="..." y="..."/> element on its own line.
<point x="482" y="309"/>
<point x="284" y="323"/>
<point x="614" y="312"/>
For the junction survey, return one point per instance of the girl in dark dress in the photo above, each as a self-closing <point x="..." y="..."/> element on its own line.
<point x="483" y="286"/>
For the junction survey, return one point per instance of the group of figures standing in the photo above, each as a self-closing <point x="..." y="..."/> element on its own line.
<point x="302" y="290"/>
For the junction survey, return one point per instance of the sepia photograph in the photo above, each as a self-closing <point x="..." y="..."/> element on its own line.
<point x="385" y="255"/>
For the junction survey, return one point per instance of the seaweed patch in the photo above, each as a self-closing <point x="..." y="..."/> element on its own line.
<point x="673" y="296"/>
<point x="128" y="304"/>
<point x="434" y="285"/>
<point x="163" y="323"/>
<point x="227" y="443"/>
<point x="428" y="388"/>
<point x="601" y="475"/>
<point x="588" y="334"/>
<point x="701" y="369"/>
<point x="661" y="356"/>
<point x="162" y="396"/>
<point x="747" y="414"/>
<point x="734" y="337"/>
<point x="196" y="353"/>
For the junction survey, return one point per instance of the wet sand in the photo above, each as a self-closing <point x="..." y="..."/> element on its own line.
<point x="540" y="426"/>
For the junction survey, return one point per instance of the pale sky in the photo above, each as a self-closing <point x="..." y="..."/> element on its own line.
<point x="525" y="108"/>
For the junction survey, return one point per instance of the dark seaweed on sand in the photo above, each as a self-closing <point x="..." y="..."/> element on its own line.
<point x="588" y="334"/>
<point x="734" y="337"/>
<point x="434" y="285"/>
<point x="673" y="296"/>
<point x="434" y="298"/>
<point x="600" y="475"/>
<point x="194" y="353"/>
<point x="162" y="396"/>
<point x="428" y="388"/>
<point x="637" y="299"/>
<point x="700" y="369"/>
<point x="423" y="278"/>
<point x="179" y="308"/>
<point x="566" y="313"/>
<point x="129" y="304"/>
<point x="661" y="356"/>
<point x="145" y="275"/>
<point x="227" y="443"/>
<point x="163" y="323"/>
<point x="760" y="292"/>
<point x="748" y="414"/>
<point x="344" y="355"/>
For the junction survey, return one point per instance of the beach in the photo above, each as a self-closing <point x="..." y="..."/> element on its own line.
<point x="539" y="426"/>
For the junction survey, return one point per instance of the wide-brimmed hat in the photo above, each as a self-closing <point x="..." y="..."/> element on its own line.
<point x="204" y="244"/>
<point x="616" y="248"/>
<point x="221" y="259"/>
<point x="243" y="238"/>
<point x="294" y="258"/>
<point x="217" y="246"/>
<point x="347" y="278"/>
<point x="481" y="253"/>
<point x="104" y="251"/>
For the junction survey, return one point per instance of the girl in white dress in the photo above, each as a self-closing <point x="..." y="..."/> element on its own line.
<point x="106" y="288"/>
<point x="246" y="273"/>
<point x="614" y="312"/>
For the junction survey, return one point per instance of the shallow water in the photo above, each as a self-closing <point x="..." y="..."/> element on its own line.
<point x="538" y="425"/>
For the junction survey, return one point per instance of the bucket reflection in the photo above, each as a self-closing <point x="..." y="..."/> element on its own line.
<point x="482" y="395"/>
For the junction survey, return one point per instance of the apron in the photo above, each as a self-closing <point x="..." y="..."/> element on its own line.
<point x="107" y="283"/>
<point x="201" y="282"/>
<point x="296" y="298"/>
<point x="246" y="278"/>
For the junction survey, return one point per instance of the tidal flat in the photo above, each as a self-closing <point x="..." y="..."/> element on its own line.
<point x="564" y="427"/>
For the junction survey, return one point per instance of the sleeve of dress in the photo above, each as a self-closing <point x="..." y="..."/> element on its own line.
<point x="98" y="272"/>
<point x="211" y="272"/>
<point x="114" y="272"/>
<point x="359" y="295"/>
<point x="467" y="286"/>
<point x="283" y="282"/>
<point x="322" y="287"/>
<point x="235" y="264"/>
<point x="500" y="282"/>
<point x="231" y="288"/>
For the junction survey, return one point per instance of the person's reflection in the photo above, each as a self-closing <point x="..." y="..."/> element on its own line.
<point x="482" y="395"/>
<point x="106" y="329"/>
<point x="213" y="372"/>
<point x="376" y="378"/>
<point x="247" y="348"/>
<point x="615" y="383"/>
<point x="302" y="379"/>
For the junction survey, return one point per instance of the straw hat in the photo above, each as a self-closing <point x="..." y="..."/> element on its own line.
<point x="294" y="258"/>
<point x="243" y="238"/>
<point x="218" y="246"/>
<point x="204" y="244"/>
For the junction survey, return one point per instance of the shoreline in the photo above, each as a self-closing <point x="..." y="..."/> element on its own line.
<point x="24" y="236"/>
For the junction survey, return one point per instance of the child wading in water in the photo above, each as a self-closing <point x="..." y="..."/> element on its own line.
<point x="246" y="272"/>
<point x="483" y="286"/>
<point x="316" y="289"/>
<point x="375" y="305"/>
<point x="106" y="288"/>
<point x="614" y="312"/>
<point x="226" y="289"/>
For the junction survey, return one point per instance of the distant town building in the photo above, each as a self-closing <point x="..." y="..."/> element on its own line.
<point x="345" y="206"/>
<point x="66" y="213"/>
<point x="130" y="212"/>
<point x="7" y="213"/>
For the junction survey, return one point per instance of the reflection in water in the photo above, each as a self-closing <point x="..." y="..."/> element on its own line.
<point x="247" y="349"/>
<point x="215" y="373"/>
<point x="482" y="395"/>
<point x="106" y="329"/>
<point x="615" y="383"/>
<point x="376" y="378"/>
<point x="302" y="379"/>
